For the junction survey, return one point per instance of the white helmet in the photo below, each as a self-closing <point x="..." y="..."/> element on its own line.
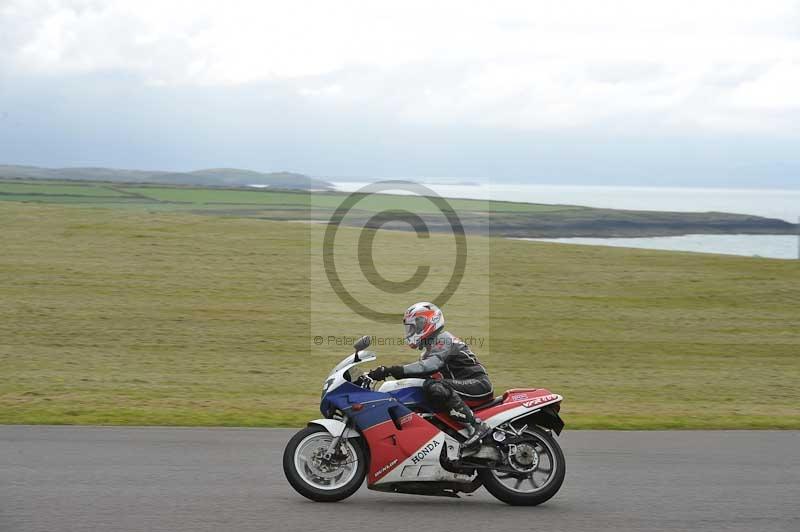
<point x="421" y="321"/>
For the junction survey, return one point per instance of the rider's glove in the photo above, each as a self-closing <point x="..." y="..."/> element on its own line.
<point x="378" y="374"/>
<point x="396" y="371"/>
<point x="381" y="372"/>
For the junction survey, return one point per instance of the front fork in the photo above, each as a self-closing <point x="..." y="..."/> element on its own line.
<point x="333" y="448"/>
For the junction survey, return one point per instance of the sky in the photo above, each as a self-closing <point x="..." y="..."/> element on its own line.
<point x="700" y="93"/>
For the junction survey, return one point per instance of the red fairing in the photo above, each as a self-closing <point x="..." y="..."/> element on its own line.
<point x="389" y="447"/>
<point x="527" y="397"/>
<point x="447" y="420"/>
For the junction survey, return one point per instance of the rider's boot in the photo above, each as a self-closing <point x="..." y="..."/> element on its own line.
<point x="478" y="429"/>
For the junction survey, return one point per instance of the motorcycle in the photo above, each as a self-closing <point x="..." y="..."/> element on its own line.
<point x="393" y="438"/>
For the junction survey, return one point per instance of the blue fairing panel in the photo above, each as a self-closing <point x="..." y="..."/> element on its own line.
<point x="412" y="397"/>
<point x="374" y="406"/>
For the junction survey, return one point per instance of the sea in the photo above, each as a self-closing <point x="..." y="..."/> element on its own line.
<point x="768" y="202"/>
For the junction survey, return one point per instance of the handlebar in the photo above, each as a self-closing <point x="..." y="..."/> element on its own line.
<point x="365" y="382"/>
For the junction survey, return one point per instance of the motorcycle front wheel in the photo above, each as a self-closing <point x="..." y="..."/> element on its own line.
<point x="535" y="472"/>
<point x="316" y="478"/>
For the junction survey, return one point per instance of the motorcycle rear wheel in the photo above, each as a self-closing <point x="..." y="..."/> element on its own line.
<point x="538" y="485"/>
<point x="316" y="480"/>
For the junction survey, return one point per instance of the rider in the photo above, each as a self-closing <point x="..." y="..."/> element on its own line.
<point x="462" y="374"/>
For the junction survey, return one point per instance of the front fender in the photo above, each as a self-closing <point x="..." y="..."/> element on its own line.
<point x="335" y="428"/>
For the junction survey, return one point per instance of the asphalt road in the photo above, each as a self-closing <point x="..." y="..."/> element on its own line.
<point x="64" y="479"/>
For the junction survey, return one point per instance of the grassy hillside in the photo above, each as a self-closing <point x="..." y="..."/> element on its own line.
<point x="497" y="218"/>
<point x="206" y="177"/>
<point x="124" y="316"/>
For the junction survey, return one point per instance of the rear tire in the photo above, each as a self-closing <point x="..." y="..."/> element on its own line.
<point x="329" y="487"/>
<point x="547" y="446"/>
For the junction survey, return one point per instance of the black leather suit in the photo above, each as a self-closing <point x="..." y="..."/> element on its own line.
<point x="463" y="375"/>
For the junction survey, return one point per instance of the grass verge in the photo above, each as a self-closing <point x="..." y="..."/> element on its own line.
<point x="128" y="317"/>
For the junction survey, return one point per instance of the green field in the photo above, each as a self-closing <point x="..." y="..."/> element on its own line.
<point x="494" y="218"/>
<point x="57" y="189"/>
<point x="158" y="316"/>
<point x="226" y="198"/>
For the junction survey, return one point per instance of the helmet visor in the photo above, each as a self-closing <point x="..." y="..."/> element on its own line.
<point x="414" y="327"/>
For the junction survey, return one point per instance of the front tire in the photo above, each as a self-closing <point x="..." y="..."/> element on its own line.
<point x="317" y="480"/>
<point x="545" y="459"/>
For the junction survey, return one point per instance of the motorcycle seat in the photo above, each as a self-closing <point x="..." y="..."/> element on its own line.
<point x="486" y="402"/>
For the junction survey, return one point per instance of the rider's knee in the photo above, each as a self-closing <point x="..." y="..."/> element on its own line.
<point x="436" y="391"/>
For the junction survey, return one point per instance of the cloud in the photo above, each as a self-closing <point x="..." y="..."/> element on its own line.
<point x="518" y="88"/>
<point x="776" y="89"/>
<point x="527" y="65"/>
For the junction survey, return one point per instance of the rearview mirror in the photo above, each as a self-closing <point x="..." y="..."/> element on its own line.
<point x="362" y="343"/>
